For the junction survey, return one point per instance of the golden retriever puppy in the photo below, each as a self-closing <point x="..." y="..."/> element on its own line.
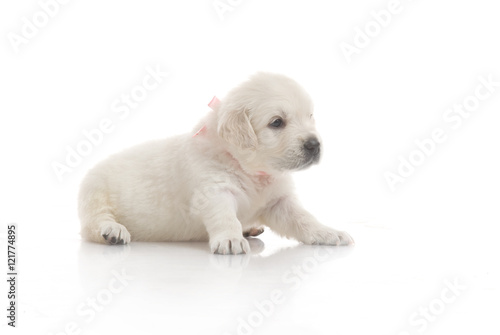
<point x="228" y="178"/>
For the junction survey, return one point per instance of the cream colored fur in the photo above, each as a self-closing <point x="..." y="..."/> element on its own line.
<point x="230" y="178"/>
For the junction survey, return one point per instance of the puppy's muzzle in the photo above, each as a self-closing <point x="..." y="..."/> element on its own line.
<point x="311" y="148"/>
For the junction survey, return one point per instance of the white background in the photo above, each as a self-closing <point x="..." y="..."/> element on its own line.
<point x="369" y="111"/>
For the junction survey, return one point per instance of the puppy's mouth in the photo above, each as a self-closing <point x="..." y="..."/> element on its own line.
<point x="310" y="160"/>
<point x="299" y="161"/>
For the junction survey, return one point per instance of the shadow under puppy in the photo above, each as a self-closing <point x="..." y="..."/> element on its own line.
<point x="228" y="178"/>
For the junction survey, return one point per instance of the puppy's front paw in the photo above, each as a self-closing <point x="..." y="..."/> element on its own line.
<point x="229" y="245"/>
<point x="329" y="237"/>
<point x="115" y="233"/>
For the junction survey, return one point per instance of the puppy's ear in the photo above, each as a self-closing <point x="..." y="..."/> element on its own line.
<point x="235" y="128"/>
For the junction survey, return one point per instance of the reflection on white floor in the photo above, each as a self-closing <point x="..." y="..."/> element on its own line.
<point x="389" y="283"/>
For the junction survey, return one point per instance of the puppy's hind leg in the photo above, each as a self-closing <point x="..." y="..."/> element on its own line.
<point x="114" y="232"/>
<point x="98" y="222"/>
<point x="253" y="232"/>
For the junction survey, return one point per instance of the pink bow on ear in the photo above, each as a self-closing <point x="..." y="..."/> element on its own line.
<point x="212" y="104"/>
<point x="202" y="129"/>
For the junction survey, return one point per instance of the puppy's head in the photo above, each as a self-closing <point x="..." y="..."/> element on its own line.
<point x="268" y="124"/>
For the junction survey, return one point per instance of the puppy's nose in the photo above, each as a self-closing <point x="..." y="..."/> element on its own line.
<point x="312" y="145"/>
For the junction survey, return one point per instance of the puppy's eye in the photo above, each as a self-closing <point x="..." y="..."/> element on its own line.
<point x="278" y="123"/>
